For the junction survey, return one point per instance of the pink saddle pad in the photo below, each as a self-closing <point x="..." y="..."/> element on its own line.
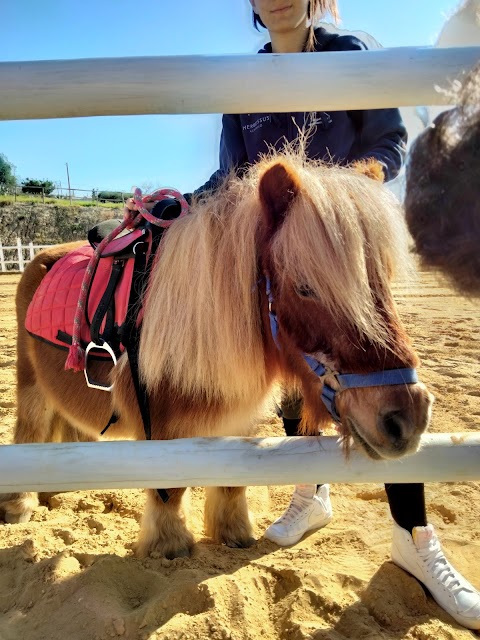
<point x="52" y="310"/>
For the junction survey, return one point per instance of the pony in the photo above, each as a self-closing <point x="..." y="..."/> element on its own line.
<point x="443" y="192"/>
<point x="286" y="266"/>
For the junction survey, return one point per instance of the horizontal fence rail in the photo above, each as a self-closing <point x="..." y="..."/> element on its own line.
<point x="227" y="462"/>
<point x="230" y="84"/>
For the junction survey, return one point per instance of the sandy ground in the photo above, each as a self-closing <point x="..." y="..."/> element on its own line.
<point x="70" y="573"/>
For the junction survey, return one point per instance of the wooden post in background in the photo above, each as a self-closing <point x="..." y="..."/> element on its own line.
<point x="68" y="178"/>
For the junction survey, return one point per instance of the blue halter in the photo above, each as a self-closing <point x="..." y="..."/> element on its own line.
<point x="345" y="380"/>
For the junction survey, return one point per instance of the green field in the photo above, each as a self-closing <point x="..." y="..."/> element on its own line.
<point x="29" y="199"/>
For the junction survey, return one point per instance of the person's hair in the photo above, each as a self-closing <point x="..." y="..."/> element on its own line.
<point x="317" y="9"/>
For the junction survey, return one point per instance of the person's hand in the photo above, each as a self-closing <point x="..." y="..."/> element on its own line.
<point x="130" y="205"/>
<point x="370" y="167"/>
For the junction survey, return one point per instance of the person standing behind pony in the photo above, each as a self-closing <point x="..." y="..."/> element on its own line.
<point x="342" y="137"/>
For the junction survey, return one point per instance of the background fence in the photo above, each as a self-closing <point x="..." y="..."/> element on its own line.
<point x="70" y="195"/>
<point x="15" y="257"/>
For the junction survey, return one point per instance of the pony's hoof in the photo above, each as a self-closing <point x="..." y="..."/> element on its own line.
<point x="179" y="553"/>
<point x="162" y="550"/>
<point x="141" y="553"/>
<point x="242" y="543"/>
<point x="17" y="518"/>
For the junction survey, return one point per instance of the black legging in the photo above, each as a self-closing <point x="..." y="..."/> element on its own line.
<point x="407" y="504"/>
<point x="406" y="501"/>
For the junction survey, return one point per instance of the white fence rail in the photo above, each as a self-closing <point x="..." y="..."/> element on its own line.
<point x="18" y="254"/>
<point x="223" y="84"/>
<point x="123" y="86"/>
<point x="233" y="462"/>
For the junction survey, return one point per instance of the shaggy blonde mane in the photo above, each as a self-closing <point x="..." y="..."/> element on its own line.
<point x="202" y="325"/>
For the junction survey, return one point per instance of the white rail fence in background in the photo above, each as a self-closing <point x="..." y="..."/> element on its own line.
<point x="73" y="194"/>
<point x="19" y="254"/>
<point x="223" y="84"/>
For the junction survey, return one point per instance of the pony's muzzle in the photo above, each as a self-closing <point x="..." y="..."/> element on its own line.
<point x="398" y="428"/>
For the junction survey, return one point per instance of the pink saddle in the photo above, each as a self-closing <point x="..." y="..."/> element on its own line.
<point x="50" y="316"/>
<point x="111" y="308"/>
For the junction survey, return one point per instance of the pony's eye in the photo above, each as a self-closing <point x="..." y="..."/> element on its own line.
<point x="304" y="291"/>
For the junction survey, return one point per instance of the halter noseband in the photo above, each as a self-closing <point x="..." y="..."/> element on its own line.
<point x="345" y="380"/>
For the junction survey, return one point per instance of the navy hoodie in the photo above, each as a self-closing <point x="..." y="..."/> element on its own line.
<point x="338" y="136"/>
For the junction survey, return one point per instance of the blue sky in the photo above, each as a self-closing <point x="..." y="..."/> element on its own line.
<point x="179" y="151"/>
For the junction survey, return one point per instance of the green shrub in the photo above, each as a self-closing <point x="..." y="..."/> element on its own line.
<point x="112" y="196"/>
<point x="38" y="187"/>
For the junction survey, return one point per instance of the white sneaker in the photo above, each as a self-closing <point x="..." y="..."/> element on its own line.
<point x="422" y="556"/>
<point x="305" y="513"/>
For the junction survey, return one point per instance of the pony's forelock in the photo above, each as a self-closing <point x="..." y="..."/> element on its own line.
<point x="340" y="213"/>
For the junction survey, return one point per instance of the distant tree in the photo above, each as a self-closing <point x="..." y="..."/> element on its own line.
<point x="7" y="174"/>
<point x="147" y="187"/>
<point x="38" y="186"/>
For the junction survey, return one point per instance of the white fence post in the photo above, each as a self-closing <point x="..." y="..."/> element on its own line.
<point x="21" y="262"/>
<point x="31" y="250"/>
<point x="2" y="258"/>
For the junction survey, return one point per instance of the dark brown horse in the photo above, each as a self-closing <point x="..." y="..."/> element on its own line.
<point x="289" y="265"/>
<point x="443" y="191"/>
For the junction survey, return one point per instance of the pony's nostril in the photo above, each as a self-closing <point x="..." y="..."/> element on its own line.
<point x="393" y="426"/>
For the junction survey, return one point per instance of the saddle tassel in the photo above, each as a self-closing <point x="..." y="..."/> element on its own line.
<point x="76" y="357"/>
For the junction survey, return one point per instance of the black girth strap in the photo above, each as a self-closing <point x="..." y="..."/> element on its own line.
<point x="129" y="332"/>
<point x="130" y="335"/>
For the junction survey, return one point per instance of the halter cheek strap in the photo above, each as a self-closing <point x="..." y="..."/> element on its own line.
<point x="345" y="380"/>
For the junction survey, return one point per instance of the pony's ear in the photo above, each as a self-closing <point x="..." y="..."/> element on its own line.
<point x="371" y="168"/>
<point x="279" y="186"/>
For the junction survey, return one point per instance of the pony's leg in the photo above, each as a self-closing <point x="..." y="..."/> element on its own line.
<point x="163" y="531"/>
<point x="226" y="516"/>
<point x="34" y="424"/>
